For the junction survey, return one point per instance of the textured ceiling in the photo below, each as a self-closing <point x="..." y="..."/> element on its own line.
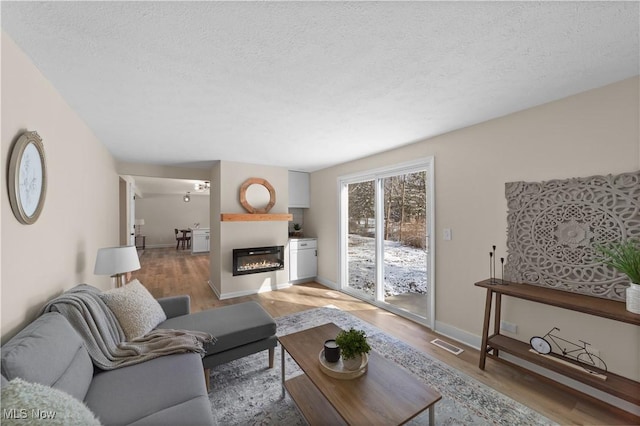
<point x="306" y="85"/>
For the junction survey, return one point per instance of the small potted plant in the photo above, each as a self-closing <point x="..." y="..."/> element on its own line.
<point x="352" y="343"/>
<point x="297" y="230"/>
<point x="624" y="256"/>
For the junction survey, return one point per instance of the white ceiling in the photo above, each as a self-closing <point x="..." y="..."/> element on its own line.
<point x="305" y="85"/>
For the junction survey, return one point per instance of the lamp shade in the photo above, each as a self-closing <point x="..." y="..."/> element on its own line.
<point x="116" y="260"/>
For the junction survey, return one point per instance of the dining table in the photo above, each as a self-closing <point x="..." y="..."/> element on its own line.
<point x="186" y="233"/>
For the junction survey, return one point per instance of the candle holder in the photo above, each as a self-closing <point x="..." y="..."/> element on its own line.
<point x="491" y="268"/>
<point x="493" y="256"/>
<point x="493" y="279"/>
<point x="502" y="273"/>
<point x="331" y="351"/>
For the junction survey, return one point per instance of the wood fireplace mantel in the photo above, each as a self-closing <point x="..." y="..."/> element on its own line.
<point x="255" y="217"/>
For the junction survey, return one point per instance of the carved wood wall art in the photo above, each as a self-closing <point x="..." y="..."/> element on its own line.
<point x="553" y="228"/>
<point x="247" y="205"/>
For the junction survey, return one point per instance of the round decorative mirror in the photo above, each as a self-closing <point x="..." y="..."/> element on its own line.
<point x="257" y="195"/>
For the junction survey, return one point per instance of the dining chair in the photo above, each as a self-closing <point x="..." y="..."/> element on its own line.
<point x="179" y="239"/>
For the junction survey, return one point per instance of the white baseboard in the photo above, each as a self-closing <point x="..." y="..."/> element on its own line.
<point x="459" y="335"/>
<point x="574" y="384"/>
<point x="303" y="280"/>
<point x="263" y="289"/>
<point x="327" y="283"/>
<point x="150" y="246"/>
<point x="215" y="290"/>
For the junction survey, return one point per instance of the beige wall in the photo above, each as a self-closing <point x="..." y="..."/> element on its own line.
<point x="154" y="170"/>
<point x="162" y="213"/>
<point x="246" y="234"/>
<point x="595" y="132"/>
<point x="81" y="209"/>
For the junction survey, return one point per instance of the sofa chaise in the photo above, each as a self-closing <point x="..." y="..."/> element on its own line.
<point x="240" y="330"/>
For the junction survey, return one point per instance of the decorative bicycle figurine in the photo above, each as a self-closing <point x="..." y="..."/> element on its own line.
<point x="577" y="352"/>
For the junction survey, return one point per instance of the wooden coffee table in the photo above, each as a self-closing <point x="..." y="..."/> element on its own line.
<point x="385" y="394"/>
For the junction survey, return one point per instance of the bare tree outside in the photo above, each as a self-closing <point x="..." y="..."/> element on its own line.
<point x="405" y="235"/>
<point x="362" y="243"/>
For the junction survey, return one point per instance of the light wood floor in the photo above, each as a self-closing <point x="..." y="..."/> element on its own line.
<point x="169" y="272"/>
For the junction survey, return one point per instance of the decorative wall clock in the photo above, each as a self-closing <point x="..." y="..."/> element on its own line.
<point x="27" y="177"/>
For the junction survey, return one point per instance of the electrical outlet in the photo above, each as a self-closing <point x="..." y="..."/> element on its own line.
<point x="446" y="234"/>
<point x="507" y="326"/>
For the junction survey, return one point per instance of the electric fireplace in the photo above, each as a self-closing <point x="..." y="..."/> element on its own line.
<point x="257" y="259"/>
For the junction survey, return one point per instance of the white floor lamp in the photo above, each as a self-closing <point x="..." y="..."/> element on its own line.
<point x="116" y="262"/>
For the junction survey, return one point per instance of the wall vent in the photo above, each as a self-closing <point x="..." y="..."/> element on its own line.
<point x="447" y="346"/>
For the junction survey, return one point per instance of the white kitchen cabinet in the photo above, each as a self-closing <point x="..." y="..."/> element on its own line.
<point x="299" y="190"/>
<point x="200" y="240"/>
<point x="303" y="259"/>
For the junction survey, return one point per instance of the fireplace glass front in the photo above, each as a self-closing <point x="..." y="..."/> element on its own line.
<point x="257" y="259"/>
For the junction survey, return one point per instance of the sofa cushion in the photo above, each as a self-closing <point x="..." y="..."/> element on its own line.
<point x="195" y="412"/>
<point x="50" y="352"/>
<point x="135" y="308"/>
<point x="174" y="306"/>
<point x="29" y="402"/>
<point x="232" y="326"/>
<point x="172" y="384"/>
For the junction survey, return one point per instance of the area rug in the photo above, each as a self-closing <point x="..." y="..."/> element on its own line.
<point x="246" y="392"/>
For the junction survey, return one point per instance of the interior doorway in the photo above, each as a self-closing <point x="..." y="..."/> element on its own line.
<point x="127" y="211"/>
<point x="164" y="205"/>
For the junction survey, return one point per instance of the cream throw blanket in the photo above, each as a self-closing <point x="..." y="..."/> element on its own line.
<point x="104" y="339"/>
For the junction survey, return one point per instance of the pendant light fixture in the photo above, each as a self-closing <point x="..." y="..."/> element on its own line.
<point x="203" y="186"/>
<point x="187" y="197"/>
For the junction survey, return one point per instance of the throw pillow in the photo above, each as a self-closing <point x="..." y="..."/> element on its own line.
<point x="25" y="403"/>
<point x="135" y="308"/>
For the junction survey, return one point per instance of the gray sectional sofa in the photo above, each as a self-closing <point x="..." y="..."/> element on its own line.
<point x="169" y="390"/>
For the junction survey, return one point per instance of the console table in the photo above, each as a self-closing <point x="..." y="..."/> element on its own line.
<point x="616" y="385"/>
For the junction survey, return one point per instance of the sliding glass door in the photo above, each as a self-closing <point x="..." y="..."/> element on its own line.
<point x="405" y="242"/>
<point x="361" y="238"/>
<point x="386" y="222"/>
